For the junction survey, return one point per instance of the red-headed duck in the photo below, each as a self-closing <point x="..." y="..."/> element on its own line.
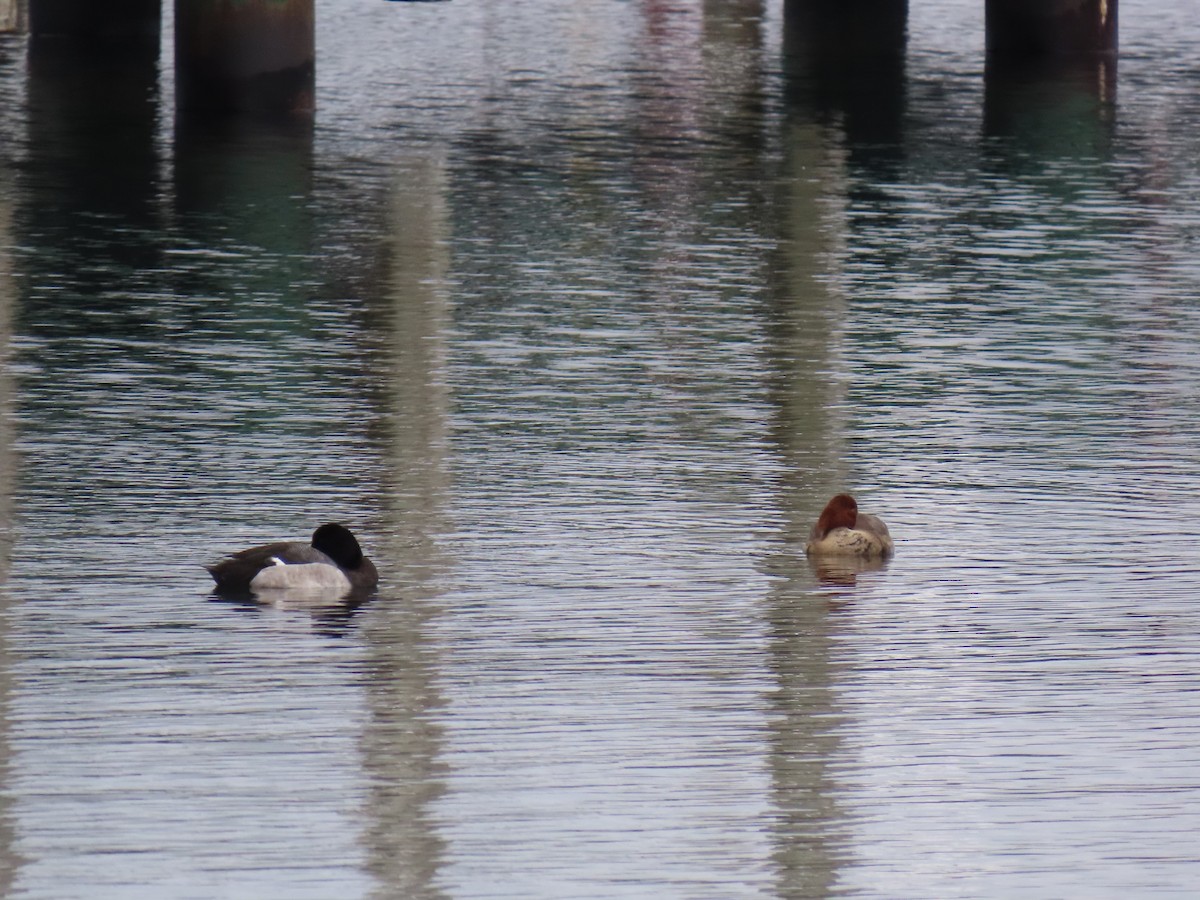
<point x="332" y="563"/>
<point x="842" y="530"/>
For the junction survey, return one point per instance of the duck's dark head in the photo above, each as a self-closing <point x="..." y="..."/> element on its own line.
<point x="840" y="512"/>
<point x="336" y="542"/>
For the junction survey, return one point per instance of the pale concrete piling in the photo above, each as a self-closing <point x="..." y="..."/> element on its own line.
<point x="12" y="16"/>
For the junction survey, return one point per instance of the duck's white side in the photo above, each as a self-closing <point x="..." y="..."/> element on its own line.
<point x="853" y="542"/>
<point x="310" y="577"/>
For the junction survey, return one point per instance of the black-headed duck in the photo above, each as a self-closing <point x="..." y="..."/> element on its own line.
<point x="332" y="563"/>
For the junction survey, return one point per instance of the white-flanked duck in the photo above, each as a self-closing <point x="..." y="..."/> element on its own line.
<point x="842" y="530"/>
<point x="333" y="563"/>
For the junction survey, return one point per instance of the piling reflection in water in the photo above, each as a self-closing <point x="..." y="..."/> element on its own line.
<point x="9" y="855"/>
<point x="806" y="311"/>
<point x="813" y="834"/>
<point x="1053" y="109"/>
<point x="409" y="320"/>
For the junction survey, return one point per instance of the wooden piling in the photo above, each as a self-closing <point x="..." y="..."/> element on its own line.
<point x="1050" y="29"/>
<point x="100" y="23"/>
<point x="245" y="56"/>
<point x="845" y="61"/>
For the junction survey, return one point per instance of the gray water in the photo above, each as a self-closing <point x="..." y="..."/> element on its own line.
<point x="577" y="313"/>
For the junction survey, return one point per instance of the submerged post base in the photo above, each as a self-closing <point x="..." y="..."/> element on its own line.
<point x="245" y="55"/>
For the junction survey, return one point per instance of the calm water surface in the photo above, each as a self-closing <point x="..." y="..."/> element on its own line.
<point x="577" y="313"/>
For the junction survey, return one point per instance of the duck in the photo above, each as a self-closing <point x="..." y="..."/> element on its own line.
<point x="332" y="563"/>
<point x="842" y="530"/>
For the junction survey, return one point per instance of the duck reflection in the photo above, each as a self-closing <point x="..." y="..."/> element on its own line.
<point x="331" y="615"/>
<point x="843" y="571"/>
